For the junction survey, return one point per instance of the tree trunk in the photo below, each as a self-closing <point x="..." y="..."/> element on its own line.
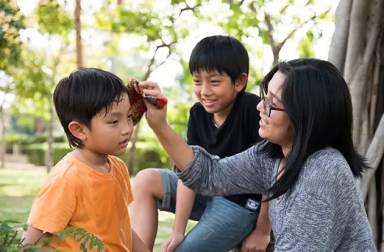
<point x="79" y="47"/>
<point x="49" y="153"/>
<point x="132" y="150"/>
<point x="3" y="143"/>
<point x="339" y="41"/>
<point x="357" y="50"/>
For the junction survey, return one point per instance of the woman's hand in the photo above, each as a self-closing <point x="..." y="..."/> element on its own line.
<point x="156" y="118"/>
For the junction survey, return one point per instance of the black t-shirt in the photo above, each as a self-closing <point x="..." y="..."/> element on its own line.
<point x="238" y="132"/>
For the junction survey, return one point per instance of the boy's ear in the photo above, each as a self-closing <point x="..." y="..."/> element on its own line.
<point x="241" y="82"/>
<point x="77" y="129"/>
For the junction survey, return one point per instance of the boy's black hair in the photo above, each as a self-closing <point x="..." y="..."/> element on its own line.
<point x="224" y="54"/>
<point x="318" y="103"/>
<point x="83" y="94"/>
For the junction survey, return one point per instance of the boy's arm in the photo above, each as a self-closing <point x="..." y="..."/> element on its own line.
<point x="138" y="244"/>
<point x="259" y="238"/>
<point x="185" y="198"/>
<point x="33" y="236"/>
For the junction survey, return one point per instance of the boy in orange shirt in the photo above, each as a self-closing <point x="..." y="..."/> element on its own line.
<point x="90" y="187"/>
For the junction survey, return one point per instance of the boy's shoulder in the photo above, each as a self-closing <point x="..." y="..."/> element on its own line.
<point x="246" y="101"/>
<point x="65" y="171"/>
<point x="69" y="169"/>
<point x="118" y="163"/>
<point x="246" y="97"/>
<point x="117" y="160"/>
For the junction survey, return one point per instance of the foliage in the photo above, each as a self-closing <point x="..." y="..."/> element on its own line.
<point x="32" y="90"/>
<point x="53" y="19"/>
<point x="11" y="22"/>
<point x="36" y="152"/>
<point x="82" y="236"/>
<point x="10" y="234"/>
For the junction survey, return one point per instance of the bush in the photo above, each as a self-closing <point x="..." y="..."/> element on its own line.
<point x="36" y="152"/>
<point x="25" y="140"/>
<point x="148" y="155"/>
<point x="147" y="158"/>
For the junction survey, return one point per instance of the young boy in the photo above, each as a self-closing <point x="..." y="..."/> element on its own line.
<point x="220" y="122"/>
<point x="90" y="187"/>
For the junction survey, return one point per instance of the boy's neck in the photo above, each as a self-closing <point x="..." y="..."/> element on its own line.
<point x="96" y="161"/>
<point x="220" y="117"/>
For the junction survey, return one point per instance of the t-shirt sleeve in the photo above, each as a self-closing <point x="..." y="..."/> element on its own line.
<point x="130" y="194"/>
<point x="254" y="119"/>
<point x="53" y="207"/>
<point x="192" y="136"/>
<point x="124" y="181"/>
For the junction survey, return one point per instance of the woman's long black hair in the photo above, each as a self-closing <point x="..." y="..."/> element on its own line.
<point x="318" y="103"/>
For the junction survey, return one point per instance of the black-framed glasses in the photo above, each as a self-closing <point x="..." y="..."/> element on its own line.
<point x="268" y="107"/>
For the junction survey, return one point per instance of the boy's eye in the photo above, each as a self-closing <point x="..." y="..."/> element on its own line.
<point x="196" y="82"/>
<point x="215" y="82"/>
<point x="115" y="122"/>
<point x="130" y="117"/>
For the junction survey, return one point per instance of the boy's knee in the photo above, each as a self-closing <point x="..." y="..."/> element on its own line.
<point x="147" y="180"/>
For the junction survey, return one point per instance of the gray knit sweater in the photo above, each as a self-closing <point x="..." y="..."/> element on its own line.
<point x="324" y="211"/>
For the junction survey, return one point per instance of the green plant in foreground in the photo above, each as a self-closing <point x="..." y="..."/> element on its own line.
<point x="83" y="237"/>
<point x="10" y="233"/>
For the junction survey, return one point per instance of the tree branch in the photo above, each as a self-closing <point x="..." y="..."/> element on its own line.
<point x="374" y="156"/>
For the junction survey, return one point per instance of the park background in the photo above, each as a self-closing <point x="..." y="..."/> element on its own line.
<point x="42" y="41"/>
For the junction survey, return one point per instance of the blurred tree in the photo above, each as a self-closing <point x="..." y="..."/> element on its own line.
<point x="37" y="73"/>
<point x="56" y="24"/>
<point x="163" y="30"/>
<point x="79" y="44"/>
<point x="357" y="49"/>
<point x="136" y="38"/>
<point x="159" y="36"/>
<point x="11" y="22"/>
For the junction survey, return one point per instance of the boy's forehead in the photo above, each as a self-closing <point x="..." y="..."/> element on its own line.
<point x="209" y="72"/>
<point x="122" y="100"/>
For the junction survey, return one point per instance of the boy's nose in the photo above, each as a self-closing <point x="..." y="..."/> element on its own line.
<point x="128" y="129"/>
<point x="205" y="89"/>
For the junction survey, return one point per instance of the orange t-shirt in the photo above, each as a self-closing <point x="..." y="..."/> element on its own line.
<point x="76" y="195"/>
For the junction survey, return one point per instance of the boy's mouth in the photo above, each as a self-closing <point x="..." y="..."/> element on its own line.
<point x="124" y="143"/>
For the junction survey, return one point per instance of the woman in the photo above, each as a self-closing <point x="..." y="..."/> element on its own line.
<point x="307" y="163"/>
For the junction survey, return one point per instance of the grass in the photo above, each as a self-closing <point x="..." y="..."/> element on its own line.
<point x="18" y="188"/>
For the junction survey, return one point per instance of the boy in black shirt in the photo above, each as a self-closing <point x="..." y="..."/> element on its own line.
<point x="219" y="122"/>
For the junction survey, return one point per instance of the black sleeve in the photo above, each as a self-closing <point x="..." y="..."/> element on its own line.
<point x="192" y="136"/>
<point x="254" y="119"/>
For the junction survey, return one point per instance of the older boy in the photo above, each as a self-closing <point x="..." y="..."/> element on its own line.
<point x="220" y="122"/>
<point x="90" y="187"/>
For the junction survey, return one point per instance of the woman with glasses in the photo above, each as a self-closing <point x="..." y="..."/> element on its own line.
<point x="306" y="164"/>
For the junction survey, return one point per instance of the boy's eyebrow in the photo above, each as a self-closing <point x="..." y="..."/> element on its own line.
<point x="210" y="74"/>
<point x="119" y="113"/>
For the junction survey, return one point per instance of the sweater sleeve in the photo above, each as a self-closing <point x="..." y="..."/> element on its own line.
<point x="247" y="172"/>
